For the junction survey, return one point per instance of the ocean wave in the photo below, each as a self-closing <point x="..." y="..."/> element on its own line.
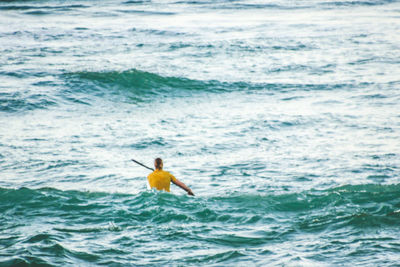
<point x="356" y="3"/>
<point x="15" y="102"/>
<point x="134" y="87"/>
<point x="160" y="207"/>
<point x="131" y="86"/>
<point x="237" y="5"/>
<point x="138" y="86"/>
<point x="229" y="226"/>
<point x="228" y="4"/>
<point x="36" y="7"/>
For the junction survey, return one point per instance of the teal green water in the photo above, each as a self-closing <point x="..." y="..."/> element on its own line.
<point x="73" y="227"/>
<point x="282" y="116"/>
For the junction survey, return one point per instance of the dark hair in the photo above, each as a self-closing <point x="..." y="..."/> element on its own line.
<point x="157" y="163"/>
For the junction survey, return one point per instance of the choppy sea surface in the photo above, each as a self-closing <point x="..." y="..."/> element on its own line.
<point x="282" y="116"/>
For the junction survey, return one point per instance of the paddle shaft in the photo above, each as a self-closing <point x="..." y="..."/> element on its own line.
<point x="141" y="164"/>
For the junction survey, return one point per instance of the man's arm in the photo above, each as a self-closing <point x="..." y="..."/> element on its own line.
<point x="183" y="186"/>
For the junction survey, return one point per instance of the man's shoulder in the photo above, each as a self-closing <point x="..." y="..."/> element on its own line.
<point x="160" y="173"/>
<point x="167" y="173"/>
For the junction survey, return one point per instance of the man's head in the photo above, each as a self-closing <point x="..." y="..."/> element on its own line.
<point x="158" y="164"/>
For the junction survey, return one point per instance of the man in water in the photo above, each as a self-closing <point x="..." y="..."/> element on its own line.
<point x="161" y="179"/>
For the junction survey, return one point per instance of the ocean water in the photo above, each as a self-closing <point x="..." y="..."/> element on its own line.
<point x="282" y="116"/>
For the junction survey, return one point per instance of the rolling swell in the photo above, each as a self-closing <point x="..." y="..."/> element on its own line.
<point x="369" y="199"/>
<point x="152" y="218"/>
<point x="149" y="218"/>
<point x="137" y="85"/>
<point x="133" y="86"/>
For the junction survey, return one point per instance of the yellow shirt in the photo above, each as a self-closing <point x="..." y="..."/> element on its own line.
<point x="160" y="180"/>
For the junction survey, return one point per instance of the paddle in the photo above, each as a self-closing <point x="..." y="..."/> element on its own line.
<point x="141" y="164"/>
